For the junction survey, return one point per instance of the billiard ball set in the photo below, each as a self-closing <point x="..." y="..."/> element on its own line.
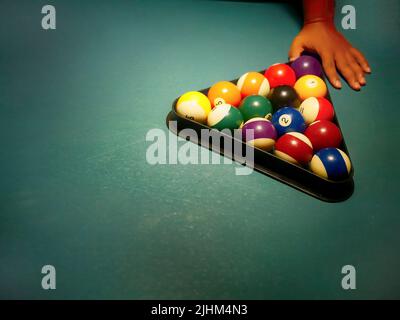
<point x="286" y="114"/>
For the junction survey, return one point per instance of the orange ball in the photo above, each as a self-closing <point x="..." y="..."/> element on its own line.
<point x="253" y="83"/>
<point x="224" y="92"/>
<point x="310" y="86"/>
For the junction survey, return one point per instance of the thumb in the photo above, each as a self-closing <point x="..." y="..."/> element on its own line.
<point x="295" y="50"/>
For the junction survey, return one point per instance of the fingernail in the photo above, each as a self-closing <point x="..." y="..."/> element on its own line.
<point x="357" y="86"/>
<point x="363" y="81"/>
<point x="368" y="69"/>
<point x="292" y="59"/>
<point x="338" y="84"/>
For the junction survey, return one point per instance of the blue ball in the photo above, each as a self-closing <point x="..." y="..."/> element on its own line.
<point x="331" y="163"/>
<point x="288" y="119"/>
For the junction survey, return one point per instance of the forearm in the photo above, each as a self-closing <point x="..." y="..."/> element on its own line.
<point x="319" y="11"/>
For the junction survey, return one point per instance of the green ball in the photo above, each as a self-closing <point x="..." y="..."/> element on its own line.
<point x="225" y="116"/>
<point x="256" y="106"/>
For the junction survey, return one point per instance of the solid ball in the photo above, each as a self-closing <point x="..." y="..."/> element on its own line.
<point x="253" y="83"/>
<point x="224" y="92"/>
<point x="294" y="147"/>
<point x="331" y="163"/>
<point x="284" y="96"/>
<point x="225" y="116"/>
<point x="314" y="109"/>
<point x="324" y="134"/>
<point x="260" y="133"/>
<point x="255" y="106"/>
<point x="280" y="74"/>
<point x="310" y="86"/>
<point x="194" y="105"/>
<point x="288" y="120"/>
<point x="305" y="65"/>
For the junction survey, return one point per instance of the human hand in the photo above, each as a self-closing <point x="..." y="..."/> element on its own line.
<point x="335" y="52"/>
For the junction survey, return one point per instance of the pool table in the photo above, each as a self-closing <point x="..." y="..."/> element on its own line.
<point x="78" y="193"/>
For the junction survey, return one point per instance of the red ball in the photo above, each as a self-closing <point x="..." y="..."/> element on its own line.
<point x="280" y="74"/>
<point x="294" y="147"/>
<point x="324" y="134"/>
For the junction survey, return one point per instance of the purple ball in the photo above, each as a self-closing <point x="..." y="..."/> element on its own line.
<point x="264" y="133"/>
<point x="307" y="65"/>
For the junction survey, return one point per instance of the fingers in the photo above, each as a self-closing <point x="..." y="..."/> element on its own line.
<point x="358" y="71"/>
<point x="346" y="69"/>
<point x="296" y="49"/>
<point x="328" y="63"/>
<point x="361" y="60"/>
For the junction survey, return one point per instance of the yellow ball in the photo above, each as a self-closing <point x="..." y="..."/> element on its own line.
<point x="310" y="86"/>
<point x="194" y="105"/>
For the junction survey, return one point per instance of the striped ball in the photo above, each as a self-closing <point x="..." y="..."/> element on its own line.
<point x="225" y="116"/>
<point x="294" y="147"/>
<point x="331" y="163"/>
<point x="253" y="83"/>
<point x="314" y="109"/>
<point x="260" y="133"/>
<point x="194" y="105"/>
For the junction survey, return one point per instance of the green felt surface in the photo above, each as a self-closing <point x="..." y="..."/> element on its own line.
<point x="76" y="190"/>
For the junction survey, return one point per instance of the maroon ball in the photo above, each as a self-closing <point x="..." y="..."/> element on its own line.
<point x="324" y="134"/>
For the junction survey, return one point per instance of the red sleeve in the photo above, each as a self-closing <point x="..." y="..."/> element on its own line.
<point x="318" y="10"/>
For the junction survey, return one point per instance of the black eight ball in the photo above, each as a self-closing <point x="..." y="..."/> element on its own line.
<point x="284" y="96"/>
